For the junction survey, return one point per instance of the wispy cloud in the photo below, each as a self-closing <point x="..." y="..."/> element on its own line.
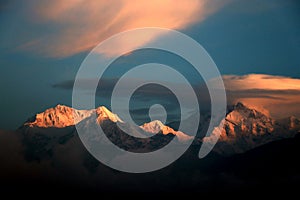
<point x="144" y="94"/>
<point x="261" y="81"/>
<point x="76" y="26"/>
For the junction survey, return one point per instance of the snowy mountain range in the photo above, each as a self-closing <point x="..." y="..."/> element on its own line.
<point x="244" y="129"/>
<point x="63" y="116"/>
<point x="56" y="126"/>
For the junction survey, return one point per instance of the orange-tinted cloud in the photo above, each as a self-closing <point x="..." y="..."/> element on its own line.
<point x="261" y="81"/>
<point x="80" y="25"/>
<point x="277" y="94"/>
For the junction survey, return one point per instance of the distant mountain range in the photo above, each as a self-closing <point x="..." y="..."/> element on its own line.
<point x="58" y="124"/>
<point x="244" y="129"/>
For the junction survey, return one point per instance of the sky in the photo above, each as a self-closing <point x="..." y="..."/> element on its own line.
<point x="43" y="43"/>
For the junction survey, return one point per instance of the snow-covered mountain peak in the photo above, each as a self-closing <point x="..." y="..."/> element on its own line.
<point x="59" y="116"/>
<point x="245" y="128"/>
<point x="62" y="116"/>
<point x="243" y="115"/>
<point x="243" y="121"/>
<point x="104" y="114"/>
<point x="246" y="111"/>
<point x="157" y="126"/>
<point x="153" y="127"/>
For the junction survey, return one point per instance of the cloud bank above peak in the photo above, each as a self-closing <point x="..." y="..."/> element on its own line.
<point x="260" y="81"/>
<point x="65" y="28"/>
<point x="278" y="94"/>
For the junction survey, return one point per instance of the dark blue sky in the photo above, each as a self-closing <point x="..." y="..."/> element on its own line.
<point x="242" y="37"/>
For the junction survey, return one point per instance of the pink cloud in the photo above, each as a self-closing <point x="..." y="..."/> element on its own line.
<point x="80" y="25"/>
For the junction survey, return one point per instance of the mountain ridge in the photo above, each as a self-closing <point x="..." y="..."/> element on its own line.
<point x="244" y="128"/>
<point x="62" y="116"/>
